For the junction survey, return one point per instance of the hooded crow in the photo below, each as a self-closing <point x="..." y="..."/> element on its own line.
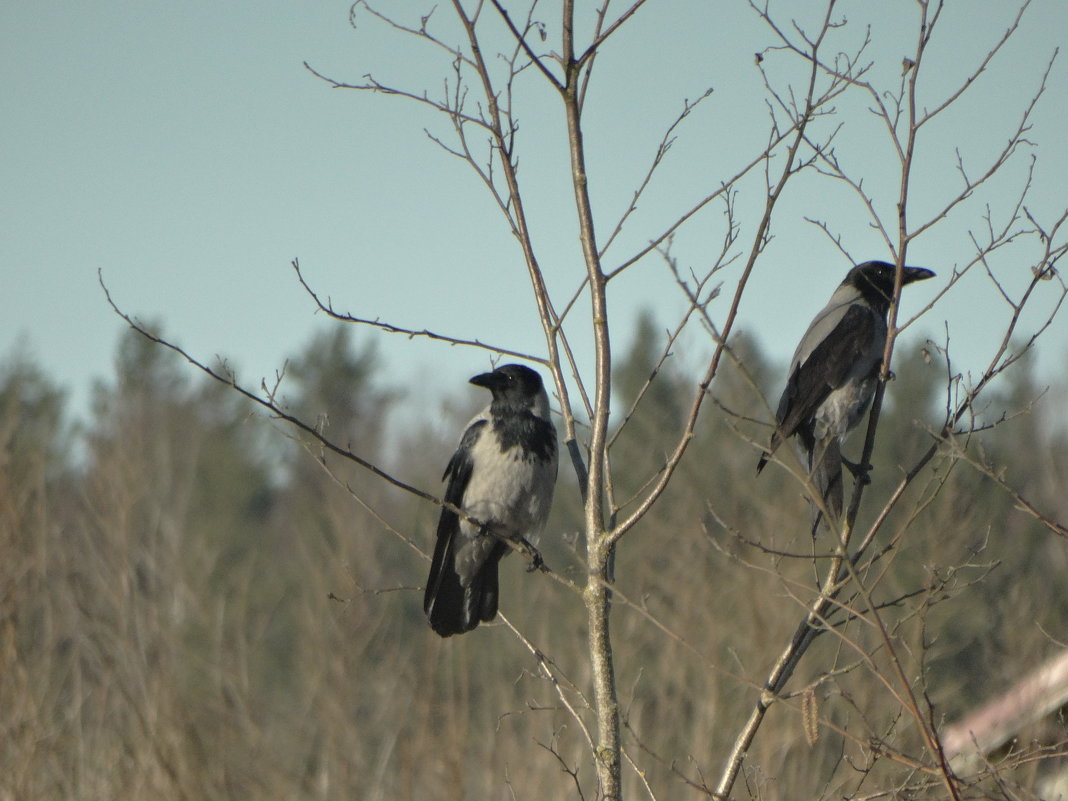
<point x="833" y="375"/>
<point x="502" y="476"/>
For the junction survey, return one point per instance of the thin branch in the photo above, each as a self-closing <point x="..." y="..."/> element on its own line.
<point x="327" y="307"/>
<point x="661" y="151"/>
<point x="759" y="241"/>
<point x="521" y="39"/>
<point x="276" y="411"/>
<point x="601" y="37"/>
<point x="556" y="678"/>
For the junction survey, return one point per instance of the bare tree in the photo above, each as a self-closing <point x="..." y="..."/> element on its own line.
<point x="820" y="83"/>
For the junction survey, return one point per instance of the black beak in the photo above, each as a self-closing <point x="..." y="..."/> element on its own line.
<point x="487" y="380"/>
<point x="910" y="274"/>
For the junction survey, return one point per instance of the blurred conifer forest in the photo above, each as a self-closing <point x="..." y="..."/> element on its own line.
<point x="192" y="607"/>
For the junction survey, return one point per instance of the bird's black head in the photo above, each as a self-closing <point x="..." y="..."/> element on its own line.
<point x="875" y="280"/>
<point x="513" y="385"/>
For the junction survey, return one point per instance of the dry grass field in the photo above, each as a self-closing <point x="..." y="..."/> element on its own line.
<point x="196" y="609"/>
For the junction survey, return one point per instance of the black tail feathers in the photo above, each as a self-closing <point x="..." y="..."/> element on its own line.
<point x="453" y="608"/>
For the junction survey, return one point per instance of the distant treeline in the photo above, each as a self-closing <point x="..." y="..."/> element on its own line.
<point x="204" y="604"/>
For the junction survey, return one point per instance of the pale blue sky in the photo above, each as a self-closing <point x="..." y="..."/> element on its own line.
<point x="183" y="149"/>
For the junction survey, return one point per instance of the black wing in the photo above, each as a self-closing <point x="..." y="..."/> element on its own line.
<point x="826" y="368"/>
<point x="451" y="607"/>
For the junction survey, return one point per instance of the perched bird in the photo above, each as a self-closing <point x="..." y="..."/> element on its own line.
<point x="502" y="476"/>
<point x="833" y="375"/>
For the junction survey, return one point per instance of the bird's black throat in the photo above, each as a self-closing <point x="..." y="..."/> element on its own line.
<point x="534" y="436"/>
